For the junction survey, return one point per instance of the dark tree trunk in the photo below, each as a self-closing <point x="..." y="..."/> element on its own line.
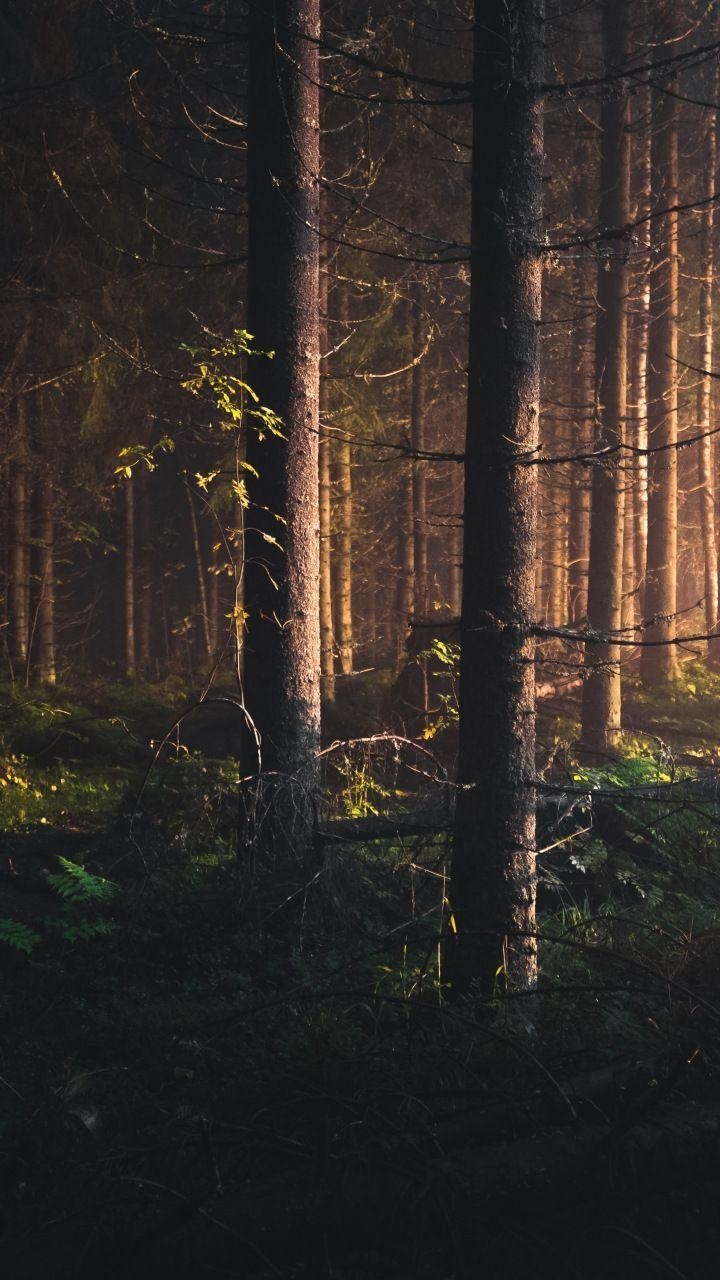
<point x="493" y="874"/>
<point x="20" y="498"/>
<point x="601" y="693"/>
<point x="419" y="466"/>
<point x="659" y="661"/>
<point x="282" y="647"/>
<point x="46" y="581"/>
<point x="129" y="576"/>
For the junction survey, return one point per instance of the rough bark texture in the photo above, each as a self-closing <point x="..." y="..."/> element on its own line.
<point x="493" y="873"/>
<point x="704" y="405"/>
<point x="282" y="649"/>
<point x="659" y="662"/>
<point x="327" y="646"/>
<point x="601" y="690"/>
<point x="345" y="520"/>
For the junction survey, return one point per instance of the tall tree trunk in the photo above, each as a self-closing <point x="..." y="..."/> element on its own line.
<point x="659" y="660"/>
<point x="706" y="479"/>
<point x="200" y="571"/>
<point x="419" y="466"/>
<point x="327" y="642"/>
<point x="601" y="705"/>
<point x="145" y="597"/>
<point x="638" y="409"/>
<point x="129" y="576"/>
<point x="20" y="497"/>
<point x="581" y="399"/>
<point x="493" y="871"/>
<point x="46" y="581"/>
<point x="282" y="647"/>
<point x="405" y="591"/>
<point x="344" y="541"/>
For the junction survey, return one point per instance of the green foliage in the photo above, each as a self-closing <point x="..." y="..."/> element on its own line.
<point x="75" y="884"/>
<point x="18" y="935"/>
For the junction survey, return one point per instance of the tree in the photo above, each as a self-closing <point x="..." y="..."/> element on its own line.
<point x="601" y="692"/>
<point x="659" y="660"/>
<point x="282" y="650"/>
<point x="493" y="869"/>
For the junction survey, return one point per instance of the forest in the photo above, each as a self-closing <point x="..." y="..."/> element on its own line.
<point x="359" y="639"/>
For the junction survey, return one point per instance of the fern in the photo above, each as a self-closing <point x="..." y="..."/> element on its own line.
<point x="18" y="935"/>
<point x="75" y="884"/>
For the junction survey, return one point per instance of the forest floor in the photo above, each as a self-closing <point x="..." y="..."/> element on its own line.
<point x="212" y="1067"/>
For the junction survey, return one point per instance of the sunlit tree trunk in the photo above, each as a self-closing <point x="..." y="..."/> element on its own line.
<point x="129" y="575"/>
<point x="581" y="400"/>
<point x="659" y="660"/>
<point x="601" y="705"/>
<point x="557" y="550"/>
<point x="344" y="526"/>
<point x="493" y="869"/>
<point x="637" y="409"/>
<point x="46" y="581"/>
<point x="706" y="478"/>
<point x="282" y="648"/>
<point x="327" y="645"/>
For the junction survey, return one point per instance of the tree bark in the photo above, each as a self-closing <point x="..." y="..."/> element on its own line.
<point x="706" y="477"/>
<point x="46" y="581"/>
<point x="282" y="644"/>
<point x="493" y="870"/>
<point x="20" y="496"/>
<point x="637" y="409"/>
<point x="659" y="661"/>
<point x="601" y="705"/>
<point x="327" y="641"/>
<point x="582" y="400"/>
<point x="419" y="467"/>
<point x="344" y="541"/>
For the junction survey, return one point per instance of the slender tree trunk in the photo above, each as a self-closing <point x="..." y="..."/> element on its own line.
<point x="557" y="551"/>
<point x="582" y="402"/>
<point x="327" y="642"/>
<point x="20" y="497"/>
<point x="344" y="541"/>
<point x="493" y="872"/>
<point x="601" y="705"/>
<point x="282" y="649"/>
<point x="659" y="661"/>
<point x="46" y="581"/>
<point x="455" y="599"/>
<point x="145" y="598"/>
<point x="637" y="414"/>
<point x="200" y="571"/>
<point x="129" y="576"/>
<point x="405" y="594"/>
<point x="419" y="467"/>
<point x="706" y="479"/>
